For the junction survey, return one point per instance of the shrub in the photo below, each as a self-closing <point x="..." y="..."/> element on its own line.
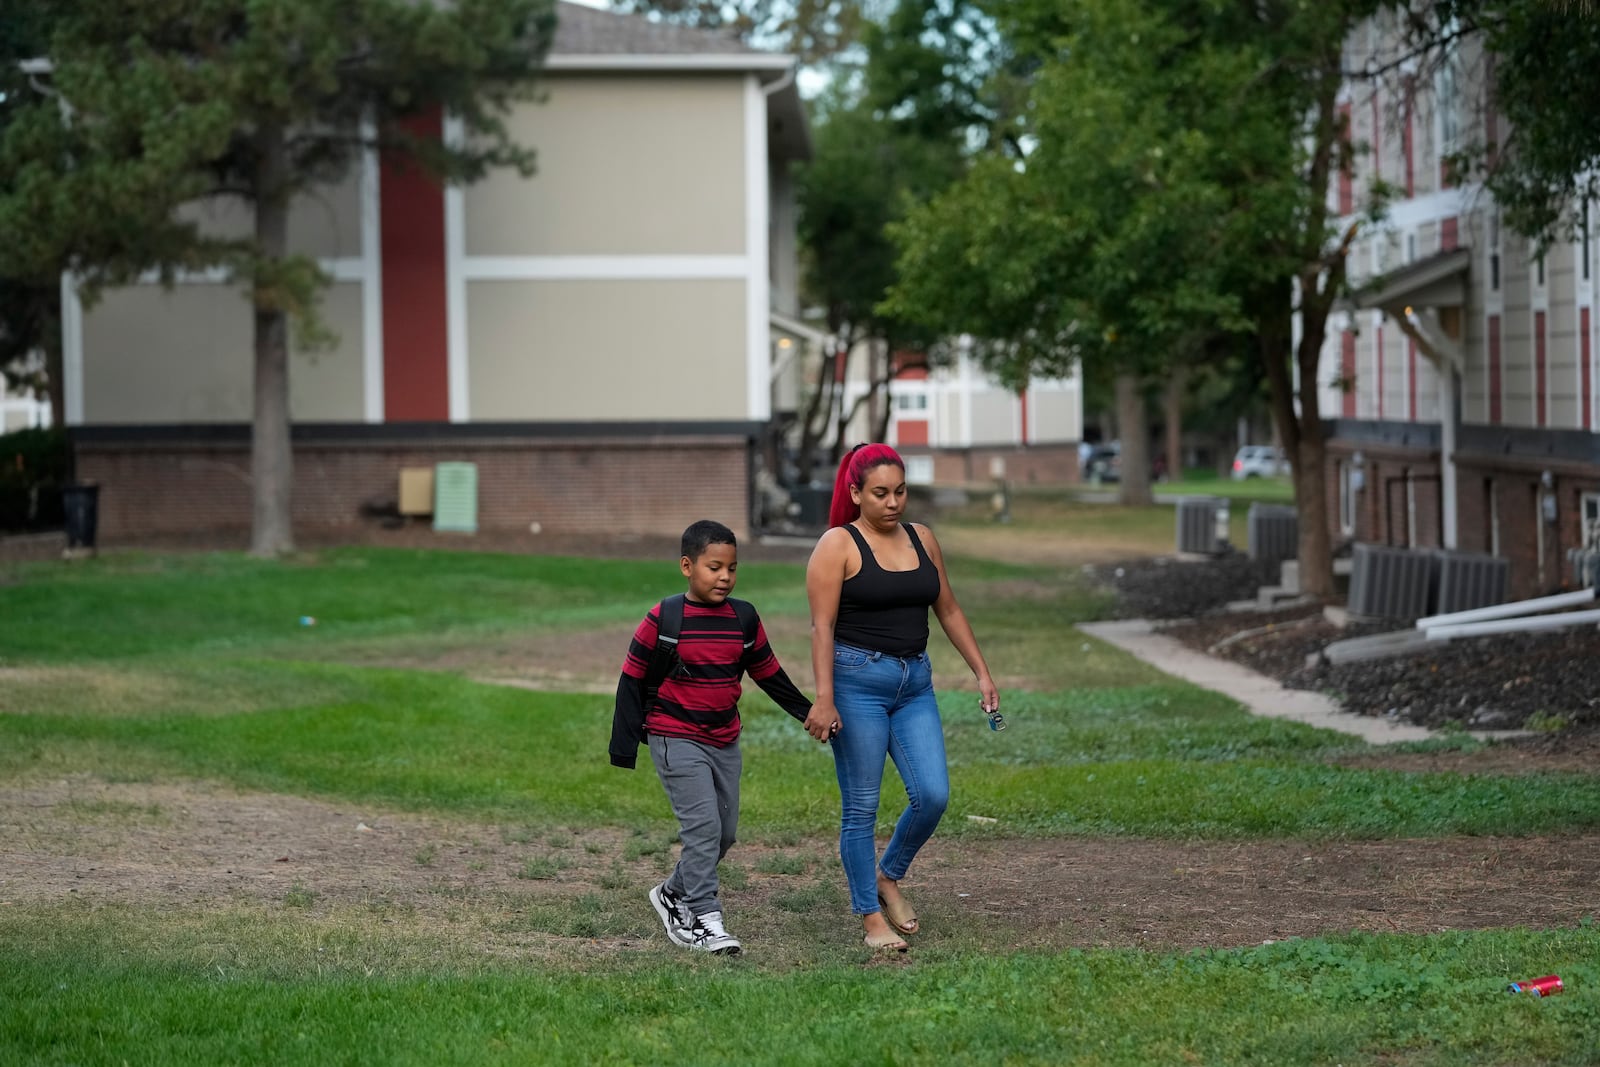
<point x="34" y="465"/>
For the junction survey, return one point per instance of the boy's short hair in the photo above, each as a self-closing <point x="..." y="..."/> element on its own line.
<point x="703" y="534"/>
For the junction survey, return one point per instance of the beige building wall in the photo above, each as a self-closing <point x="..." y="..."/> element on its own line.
<point x="1056" y="417"/>
<point x="666" y="174"/>
<point x="559" y="350"/>
<point x="153" y="355"/>
<point x="994" y="417"/>
<point x="324" y="222"/>
<point x="1516" y="336"/>
<point x="1561" y="342"/>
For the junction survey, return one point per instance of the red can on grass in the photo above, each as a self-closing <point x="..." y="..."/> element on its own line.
<point x="1539" y="987"/>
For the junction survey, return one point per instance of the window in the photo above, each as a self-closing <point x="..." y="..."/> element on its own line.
<point x="1411" y="511"/>
<point x="919" y="470"/>
<point x="1538" y="276"/>
<point x="1590" y="510"/>
<point x="1585" y="252"/>
<point x="1494" y="251"/>
<point x="1411" y="248"/>
<point x="1491" y="505"/>
<point x="911" y="401"/>
<point x="1449" y="105"/>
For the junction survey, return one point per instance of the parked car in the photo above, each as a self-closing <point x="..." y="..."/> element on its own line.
<point x="1103" y="463"/>
<point x="1259" y="461"/>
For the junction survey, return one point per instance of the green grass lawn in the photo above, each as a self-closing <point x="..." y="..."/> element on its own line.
<point x="164" y="669"/>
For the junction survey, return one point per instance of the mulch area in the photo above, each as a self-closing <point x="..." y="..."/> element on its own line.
<point x="1545" y="682"/>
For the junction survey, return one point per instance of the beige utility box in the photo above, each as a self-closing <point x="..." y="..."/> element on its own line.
<point x="416" y="490"/>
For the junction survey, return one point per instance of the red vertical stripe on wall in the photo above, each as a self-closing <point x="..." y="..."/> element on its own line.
<point x="1411" y="380"/>
<point x="1347" y="192"/>
<point x="1585" y="356"/>
<point x="416" y="348"/>
<point x="1347" y="372"/>
<point x="1449" y="234"/>
<point x="1494" y="369"/>
<point x="1538" y="367"/>
<point x="1022" y="399"/>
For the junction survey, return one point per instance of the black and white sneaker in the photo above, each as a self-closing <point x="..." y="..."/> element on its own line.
<point x="674" y="915"/>
<point x="707" y="935"/>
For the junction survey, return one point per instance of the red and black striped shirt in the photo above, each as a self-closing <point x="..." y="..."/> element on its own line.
<point x="701" y="700"/>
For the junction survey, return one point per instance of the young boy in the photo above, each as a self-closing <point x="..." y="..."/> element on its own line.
<point x="692" y="726"/>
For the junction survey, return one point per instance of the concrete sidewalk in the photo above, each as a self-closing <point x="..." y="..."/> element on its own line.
<point x="1257" y="692"/>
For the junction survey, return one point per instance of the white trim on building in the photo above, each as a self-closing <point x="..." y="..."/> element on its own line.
<point x="372" y="407"/>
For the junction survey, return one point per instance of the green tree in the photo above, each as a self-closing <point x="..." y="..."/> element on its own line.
<point x="155" y="105"/>
<point x="30" y="306"/>
<point x="864" y="174"/>
<point x="1544" y="165"/>
<point x="1176" y="197"/>
<point x="1099" y="244"/>
<point x="883" y="142"/>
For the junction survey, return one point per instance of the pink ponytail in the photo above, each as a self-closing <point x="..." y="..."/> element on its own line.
<point x="853" y="472"/>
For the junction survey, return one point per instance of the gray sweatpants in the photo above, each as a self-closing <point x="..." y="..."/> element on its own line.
<point x="702" y="784"/>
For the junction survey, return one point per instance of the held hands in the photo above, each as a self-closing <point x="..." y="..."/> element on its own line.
<point x="823" y="721"/>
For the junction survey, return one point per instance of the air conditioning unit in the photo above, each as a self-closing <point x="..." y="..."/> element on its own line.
<point x="1391" y="583"/>
<point x="1585" y="567"/>
<point x="1202" y="525"/>
<point x="1470" y="580"/>
<point x="1274" y="533"/>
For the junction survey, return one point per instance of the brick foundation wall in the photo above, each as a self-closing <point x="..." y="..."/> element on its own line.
<point x="1030" y="465"/>
<point x="602" y="485"/>
<point x="1513" y="504"/>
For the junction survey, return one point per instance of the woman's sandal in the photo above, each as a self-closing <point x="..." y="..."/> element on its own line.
<point x="886" y="943"/>
<point x="900" y="916"/>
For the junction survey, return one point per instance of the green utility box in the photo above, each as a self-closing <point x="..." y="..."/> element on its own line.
<point x="455" y="497"/>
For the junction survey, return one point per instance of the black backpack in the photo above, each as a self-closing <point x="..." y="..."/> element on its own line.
<point x="664" y="663"/>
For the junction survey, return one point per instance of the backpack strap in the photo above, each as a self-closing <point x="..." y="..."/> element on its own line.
<point x="665" y="658"/>
<point x="748" y="621"/>
<point x="668" y="628"/>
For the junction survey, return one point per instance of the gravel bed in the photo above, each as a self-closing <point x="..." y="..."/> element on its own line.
<point x="1545" y="682"/>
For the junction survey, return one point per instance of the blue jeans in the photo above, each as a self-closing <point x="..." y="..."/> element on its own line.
<point x="887" y="706"/>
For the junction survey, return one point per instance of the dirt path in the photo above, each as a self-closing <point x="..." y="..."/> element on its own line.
<point x="195" y="846"/>
<point x="192" y="847"/>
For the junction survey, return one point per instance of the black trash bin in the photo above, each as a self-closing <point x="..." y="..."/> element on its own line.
<point x="81" y="505"/>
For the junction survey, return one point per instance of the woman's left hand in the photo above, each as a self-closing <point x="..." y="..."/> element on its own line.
<point x="988" y="695"/>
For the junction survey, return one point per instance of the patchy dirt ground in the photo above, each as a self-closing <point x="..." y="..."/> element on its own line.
<point x="189" y="846"/>
<point x="195" y="847"/>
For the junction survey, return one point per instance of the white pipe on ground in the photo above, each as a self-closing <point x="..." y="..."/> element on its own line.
<point x="1506" y="611"/>
<point x="1506" y="626"/>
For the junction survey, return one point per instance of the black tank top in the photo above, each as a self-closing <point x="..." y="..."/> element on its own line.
<point x="887" y="611"/>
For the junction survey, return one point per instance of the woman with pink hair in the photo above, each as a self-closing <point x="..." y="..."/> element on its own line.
<point x="870" y="581"/>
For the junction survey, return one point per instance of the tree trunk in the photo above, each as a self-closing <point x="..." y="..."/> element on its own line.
<point x="1133" y="431"/>
<point x="1310" y="477"/>
<point x="1301" y="435"/>
<point x="271" y="456"/>
<point x="1177" y="384"/>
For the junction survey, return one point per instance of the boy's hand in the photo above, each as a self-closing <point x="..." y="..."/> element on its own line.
<point x="823" y="722"/>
